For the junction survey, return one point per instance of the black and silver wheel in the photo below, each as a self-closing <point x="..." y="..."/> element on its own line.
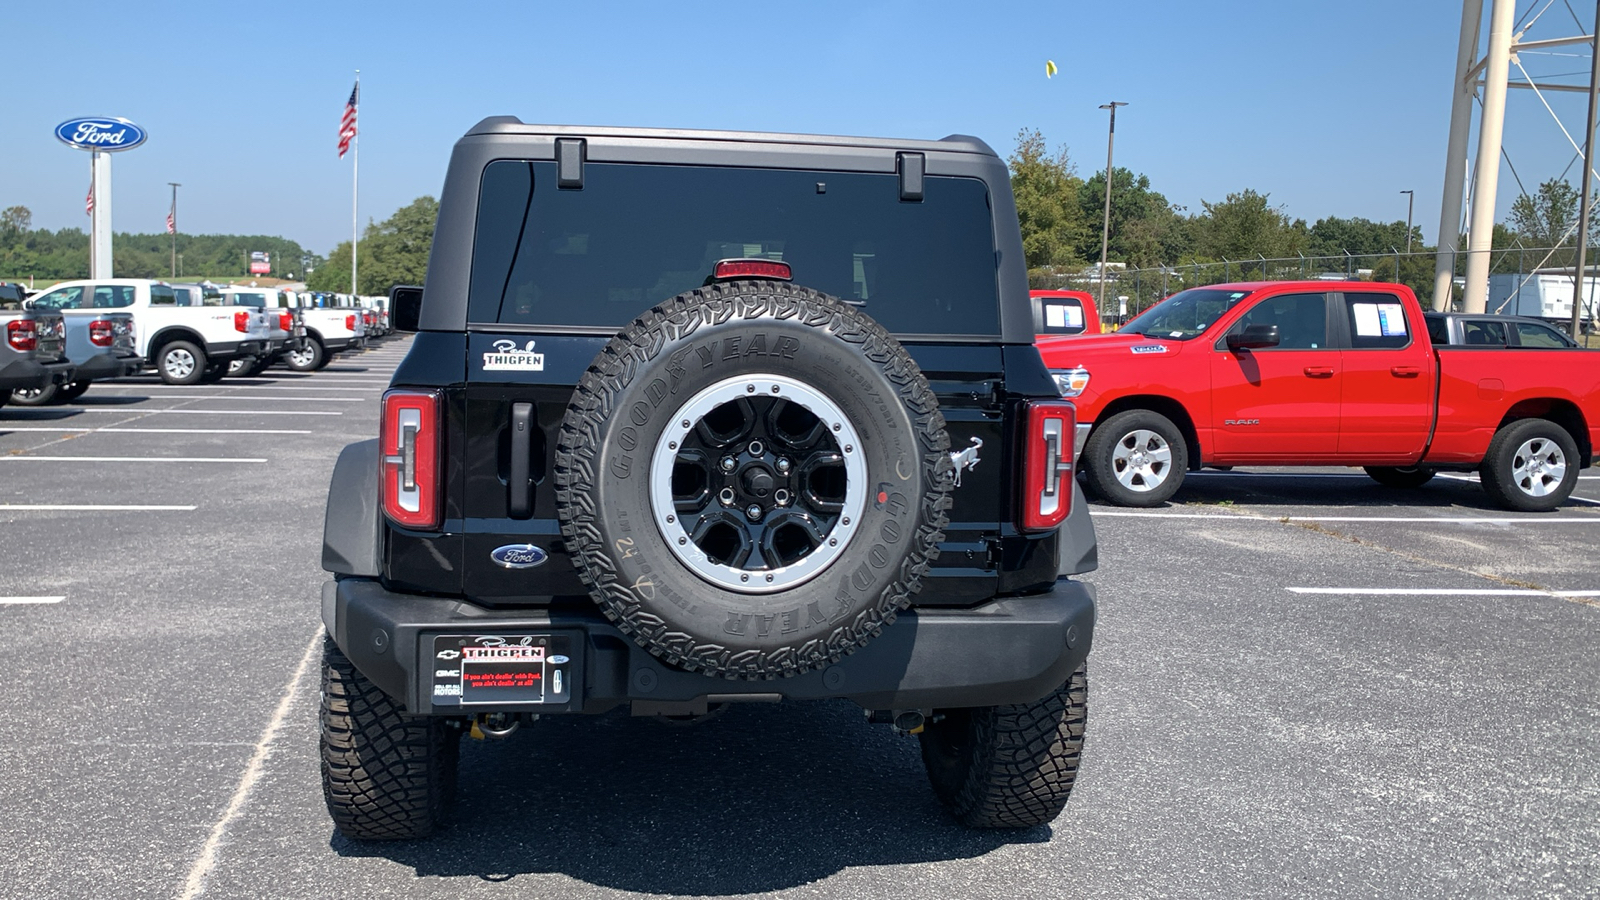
<point x="71" y="391"/>
<point x="753" y="479"/>
<point x="39" y="396"/>
<point x="758" y="482"/>
<point x="1009" y="766"/>
<point x="240" y="366"/>
<point x="1400" y="476"/>
<point x="305" y="359"/>
<point x="181" y="362"/>
<point x="1532" y="465"/>
<point x="1136" y="458"/>
<point x="385" y="775"/>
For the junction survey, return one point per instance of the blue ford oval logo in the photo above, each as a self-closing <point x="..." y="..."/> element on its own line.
<point x="104" y="133"/>
<point x="518" y="556"/>
<point x="558" y="660"/>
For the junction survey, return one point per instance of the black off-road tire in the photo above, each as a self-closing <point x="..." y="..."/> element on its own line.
<point x="42" y="396"/>
<point x="634" y="390"/>
<point x="1498" y="471"/>
<point x="1112" y="438"/>
<point x="196" y="357"/>
<point x="386" y="776"/>
<point x="1405" y="477"/>
<point x="1009" y="766"/>
<point x="313" y="357"/>
<point x="71" y="391"/>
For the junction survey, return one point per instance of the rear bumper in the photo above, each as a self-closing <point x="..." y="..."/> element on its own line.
<point x="1010" y="650"/>
<point x="108" y="365"/>
<point x="31" y="373"/>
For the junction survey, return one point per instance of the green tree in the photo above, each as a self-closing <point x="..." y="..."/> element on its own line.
<point x="1145" y="231"/>
<point x="1244" y="226"/>
<point x="1549" y="217"/>
<point x="1046" y="190"/>
<point x="394" y="251"/>
<point x="15" y="219"/>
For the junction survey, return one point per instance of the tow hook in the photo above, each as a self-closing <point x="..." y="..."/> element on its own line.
<point x="497" y="725"/>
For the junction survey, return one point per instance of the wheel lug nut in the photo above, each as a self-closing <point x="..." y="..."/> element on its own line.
<point x="726" y="497"/>
<point x="757" y="448"/>
<point x="753" y="511"/>
<point x="728" y="464"/>
<point x="784" y="465"/>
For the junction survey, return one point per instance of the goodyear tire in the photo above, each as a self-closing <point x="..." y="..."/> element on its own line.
<point x="1009" y="766"/>
<point x="753" y="478"/>
<point x="385" y="775"/>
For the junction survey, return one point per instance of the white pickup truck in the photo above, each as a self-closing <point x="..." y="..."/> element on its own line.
<point x="329" y="330"/>
<point x="185" y="344"/>
<point x="287" y="333"/>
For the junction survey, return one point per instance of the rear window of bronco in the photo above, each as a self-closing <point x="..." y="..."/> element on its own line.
<point x="636" y="235"/>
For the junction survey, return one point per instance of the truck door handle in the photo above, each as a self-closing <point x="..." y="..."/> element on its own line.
<point x="1319" y="371"/>
<point x="1404" y="371"/>
<point x="520" y="502"/>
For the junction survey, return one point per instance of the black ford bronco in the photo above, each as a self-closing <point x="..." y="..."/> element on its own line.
<point x="701" y="418"/>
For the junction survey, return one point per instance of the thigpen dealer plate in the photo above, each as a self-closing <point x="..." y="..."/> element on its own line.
<point x="494" y="669"/>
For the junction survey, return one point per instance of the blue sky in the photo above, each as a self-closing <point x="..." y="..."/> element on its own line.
<point x="1331" y="108"/>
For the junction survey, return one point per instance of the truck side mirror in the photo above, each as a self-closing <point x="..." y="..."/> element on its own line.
<point x="405" y="306"/>
<point x="1253" y="336"/>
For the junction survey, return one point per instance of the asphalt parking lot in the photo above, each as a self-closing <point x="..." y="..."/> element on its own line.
<point x="1303" y="684"/>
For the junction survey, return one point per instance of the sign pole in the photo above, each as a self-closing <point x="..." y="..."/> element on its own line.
<point x="101" y="267"/>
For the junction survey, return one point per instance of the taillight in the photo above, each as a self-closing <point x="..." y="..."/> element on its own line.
<point x="751" y="268"/>
<point x="410" y="444"/>
<point x="349" y="323"/>
<point x="1047" y="464"/>
<point x="285" y="321"/>
<point x="22" y="334"/>
<point x="100" y="333"/>
<point x="241" y="321"/>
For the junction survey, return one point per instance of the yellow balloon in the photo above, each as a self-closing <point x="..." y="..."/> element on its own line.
<point x="1049" y="68"/>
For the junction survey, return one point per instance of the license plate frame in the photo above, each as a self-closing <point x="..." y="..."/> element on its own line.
<point x="503" y="670"/>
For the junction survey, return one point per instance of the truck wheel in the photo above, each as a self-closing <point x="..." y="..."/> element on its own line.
<point x="1009" y="766"/>
<point x="1532" y="465"/>
<point x="71" y="391"/>
<point x="386" y="776"/>
<point x="311" y="357"/>
<point x="1400" y="476"/>
<point x="1136" y="458"/>
<point x="214" y="373"/>
<point x="261" y="365"/>
<point x="39" y="396"/>
<point x="181" y="362"/>
<point x="753" y="478"/>
<point x="5" y="397"/>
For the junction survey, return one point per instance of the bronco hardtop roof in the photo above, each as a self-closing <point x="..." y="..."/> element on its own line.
<point x="511" y="125"/>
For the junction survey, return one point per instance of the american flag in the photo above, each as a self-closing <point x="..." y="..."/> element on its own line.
<point x="88" y="201"/>
<point x="172" y="222"/>
<point x="347" y="124"/>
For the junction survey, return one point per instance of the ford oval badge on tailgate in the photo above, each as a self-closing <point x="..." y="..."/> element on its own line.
<point x="518" y="556"/>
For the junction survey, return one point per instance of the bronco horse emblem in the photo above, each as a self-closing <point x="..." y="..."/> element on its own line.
<point x="966" y="459"/>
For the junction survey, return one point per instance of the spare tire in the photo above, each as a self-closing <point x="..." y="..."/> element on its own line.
<point x="753" y="478"/>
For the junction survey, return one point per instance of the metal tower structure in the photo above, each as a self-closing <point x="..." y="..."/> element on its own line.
<point x="1491" y="75"/>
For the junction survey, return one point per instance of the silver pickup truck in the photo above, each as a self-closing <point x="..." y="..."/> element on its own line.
<point x="100" y="345"/>
<point x="33" y="353"/>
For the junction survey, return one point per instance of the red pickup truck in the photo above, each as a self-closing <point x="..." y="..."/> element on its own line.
<point x="1322" y="373"/>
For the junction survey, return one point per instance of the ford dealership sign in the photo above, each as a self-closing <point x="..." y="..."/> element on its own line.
<point x="104" y="133"/>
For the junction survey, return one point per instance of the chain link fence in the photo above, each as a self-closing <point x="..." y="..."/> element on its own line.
<point x="1129" y="291"/>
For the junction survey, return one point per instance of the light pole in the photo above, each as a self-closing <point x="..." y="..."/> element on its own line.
<point x="1411" y="199"/>
<point x="172" y="226"/>
<point x="1105" y="230"/>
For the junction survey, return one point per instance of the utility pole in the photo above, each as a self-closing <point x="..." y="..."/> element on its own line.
<point x="173" y="226"/>
<point x="1105" y="230"/>
<point x="1580" y="280"/>
<point x="1411" y="197"/>
<point x="1455" y="157"/>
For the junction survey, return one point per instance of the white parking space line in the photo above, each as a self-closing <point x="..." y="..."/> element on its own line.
<point x="29" y="601"/>
<point x="254" y="396"/>
<point x="167" y="459"/>
<point x="142" y="411"/>
<point x="5" y="428"/>
<point x="1437" y="520"/>
<point x="248" y="390"/>
<point x="1440" y="592"/>
<point x="91" y="507"/>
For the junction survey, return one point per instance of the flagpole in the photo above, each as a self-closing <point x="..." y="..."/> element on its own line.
<point x="355" y="192"/>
